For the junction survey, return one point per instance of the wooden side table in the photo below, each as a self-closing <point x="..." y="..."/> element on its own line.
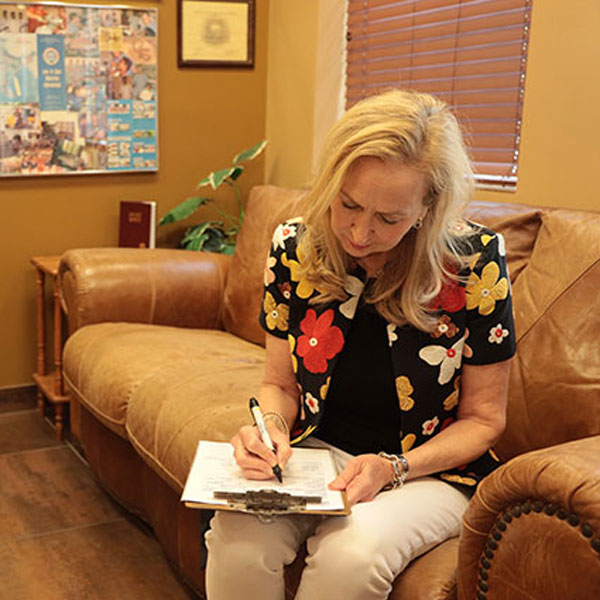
<point x="50" y="384"/>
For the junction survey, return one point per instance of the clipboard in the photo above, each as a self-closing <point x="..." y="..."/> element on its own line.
<point x="215" y="482"/>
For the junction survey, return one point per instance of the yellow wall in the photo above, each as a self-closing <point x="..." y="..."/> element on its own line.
<point x="560" y="154"/>
<point x="205" y="117"/>
<point x="304" y="85"/>
<point x="290" y="90"/>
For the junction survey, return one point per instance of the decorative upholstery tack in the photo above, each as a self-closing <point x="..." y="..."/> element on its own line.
<point x="515" y="512"/>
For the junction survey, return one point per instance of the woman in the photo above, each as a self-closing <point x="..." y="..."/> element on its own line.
<point x="389" y="333"/>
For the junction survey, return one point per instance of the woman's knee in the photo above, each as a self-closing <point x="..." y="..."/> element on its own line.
<point x="245" y="541"/>
<point x="360" y="562"/>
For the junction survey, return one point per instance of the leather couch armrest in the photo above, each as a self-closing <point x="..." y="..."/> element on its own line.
<point x="532" y="530"/>
<point x="159" y="286"/>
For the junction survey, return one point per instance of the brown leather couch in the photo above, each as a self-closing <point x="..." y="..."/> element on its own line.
<point x="165" y="348"/>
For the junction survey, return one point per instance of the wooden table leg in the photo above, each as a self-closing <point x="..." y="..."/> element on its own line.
<point x="41" y="333"/>
<point x="51" y="388"/>
<point x="59" y="387"/>
<point x="58" y="377"/>
<point x="59" y="420"/>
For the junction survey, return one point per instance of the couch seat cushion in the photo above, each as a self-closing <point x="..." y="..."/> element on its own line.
<point x="203" y="398"/>
<point x="164" y="388"/>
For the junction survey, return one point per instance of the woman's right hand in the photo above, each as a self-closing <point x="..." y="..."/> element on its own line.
<point x="253" y="457"/>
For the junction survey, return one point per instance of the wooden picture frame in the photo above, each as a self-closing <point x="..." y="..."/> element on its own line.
<point x="215" y="33"/>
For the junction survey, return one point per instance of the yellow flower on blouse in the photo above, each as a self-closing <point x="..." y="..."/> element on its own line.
<point x="458" y="479"/>
<point x="325" y="388"/>
<point x="474" y="259"/>
<point x="452" y="400"/>
<point x="276" y="315"/>
<point x="292" y="343"/>
<point x="303" y="435"/>
<point x="483" y="292"/>
<point x="305" y="288"/>
<point x="404" y="390"/>
<point x="408" y="441"/>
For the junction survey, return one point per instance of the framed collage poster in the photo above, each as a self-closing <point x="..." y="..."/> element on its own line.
<point x="78" y="89"/>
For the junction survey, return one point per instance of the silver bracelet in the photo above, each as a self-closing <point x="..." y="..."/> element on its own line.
<point x="280" y="422"/>
<point x="400" y="466"/>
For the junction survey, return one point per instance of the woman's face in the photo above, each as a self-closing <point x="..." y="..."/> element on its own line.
<point x="378" y="203"/>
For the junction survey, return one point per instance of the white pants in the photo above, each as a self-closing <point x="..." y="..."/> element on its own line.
<point x="354" y="557"/>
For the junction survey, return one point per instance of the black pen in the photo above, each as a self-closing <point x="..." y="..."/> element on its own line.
<point x="264" y="434"/>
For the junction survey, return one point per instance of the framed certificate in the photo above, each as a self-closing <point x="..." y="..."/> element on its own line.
<point x="215" y="33"/>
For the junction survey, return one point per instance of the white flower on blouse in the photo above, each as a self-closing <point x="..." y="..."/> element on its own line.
<point x="353" y="286"/>
<point x="449" y="359"/>
<point x="391" y="332"/>
<point x="497" y="334"/>
<point x="501" y="244"/>
<point x="269" y="275"/>
<point x="312" y="403"/>
<point x="430" y="425"/>
<point x="282" y="233"/>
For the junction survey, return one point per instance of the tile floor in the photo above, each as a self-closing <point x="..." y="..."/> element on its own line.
<point x="61" y="536"/>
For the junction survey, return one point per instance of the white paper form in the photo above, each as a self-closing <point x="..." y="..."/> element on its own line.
<point x="307" y="474"/>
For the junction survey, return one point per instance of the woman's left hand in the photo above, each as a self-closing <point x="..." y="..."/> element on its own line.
<point x="363" y="477"/>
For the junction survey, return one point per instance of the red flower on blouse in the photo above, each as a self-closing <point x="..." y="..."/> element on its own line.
<point x="321" y="341"/>
<point x="451" y="297"/>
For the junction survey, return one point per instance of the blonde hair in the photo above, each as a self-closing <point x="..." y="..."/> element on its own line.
<point x="419" y="131"/>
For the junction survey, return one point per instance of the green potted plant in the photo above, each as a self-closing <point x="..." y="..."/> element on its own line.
<point x="215" y="235"/>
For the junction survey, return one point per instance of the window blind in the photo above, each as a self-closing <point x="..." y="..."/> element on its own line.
<point x="470" y="53"/>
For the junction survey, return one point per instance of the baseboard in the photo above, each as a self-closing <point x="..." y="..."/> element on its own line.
<point x="21" y="397"/>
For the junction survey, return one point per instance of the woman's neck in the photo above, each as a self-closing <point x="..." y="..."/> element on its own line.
<point x="374" y="264"/>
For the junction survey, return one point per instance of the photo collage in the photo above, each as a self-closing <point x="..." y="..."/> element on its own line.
<point x="78" y="89"/>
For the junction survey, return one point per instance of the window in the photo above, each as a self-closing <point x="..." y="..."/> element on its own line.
<point x="470" y="53"/>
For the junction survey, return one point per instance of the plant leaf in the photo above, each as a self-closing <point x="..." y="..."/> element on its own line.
<point x="218" y="177"/>
<point x="250" y="153"/>
<point x="205" y="181"/>
<point x="237" y="171"/>
<point x="191" y="238"/>
<point x="228" y="248"/>
<point x="199" y="230"/>
<point x="195" y="244"/>
<point x="183" y="210"/>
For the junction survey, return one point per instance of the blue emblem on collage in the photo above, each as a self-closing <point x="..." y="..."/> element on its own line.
<point x="51" y="72"/>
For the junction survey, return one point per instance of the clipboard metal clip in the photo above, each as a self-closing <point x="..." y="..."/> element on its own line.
<point x="267" y="504"/>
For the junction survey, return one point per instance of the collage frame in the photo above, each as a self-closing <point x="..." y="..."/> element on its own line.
<point x="78" y="89"/>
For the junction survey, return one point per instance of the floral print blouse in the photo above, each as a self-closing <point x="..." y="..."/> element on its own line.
<point x="475" y="326"/>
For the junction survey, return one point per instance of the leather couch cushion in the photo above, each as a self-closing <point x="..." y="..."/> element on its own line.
<point x="553" y="257"/>
<point x="164" y="388"/>
<point x="105" y="363"/>
<point x="204" y="397"/>
<point x="268" y="206"/>
<point x="556" y="305"/>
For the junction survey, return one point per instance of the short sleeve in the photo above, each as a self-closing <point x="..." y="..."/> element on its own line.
<point x="275" y="308"/>
<point x="490" y="322"/>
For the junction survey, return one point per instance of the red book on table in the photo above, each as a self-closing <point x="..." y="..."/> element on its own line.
<point x="137" y="224"/>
